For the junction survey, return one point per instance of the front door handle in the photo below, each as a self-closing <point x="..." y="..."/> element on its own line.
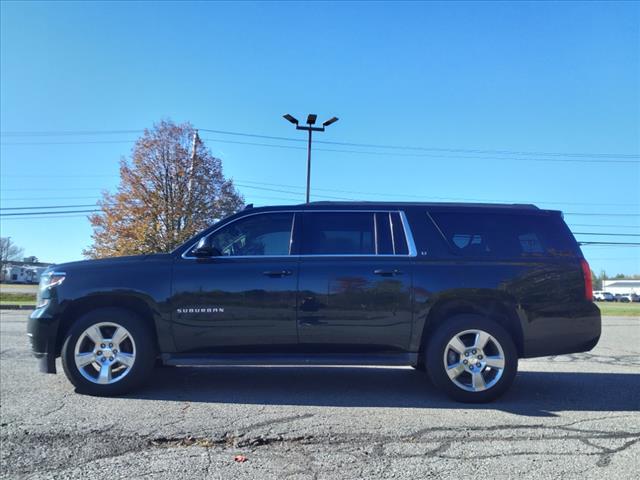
<point x="277" y="273"/>
<point x="387" y="273"/>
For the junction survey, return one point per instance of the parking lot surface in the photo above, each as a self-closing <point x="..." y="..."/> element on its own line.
<point x="574" y="416"/>
<point x="18" y="288"/>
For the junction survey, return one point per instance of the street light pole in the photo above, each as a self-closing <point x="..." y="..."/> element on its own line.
<point x="311" y="120"/>
<point x="309" y="165"/>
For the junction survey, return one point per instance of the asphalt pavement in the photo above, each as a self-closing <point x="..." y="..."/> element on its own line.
<point x="573" y="416"/>
<point x="18" y="288"/>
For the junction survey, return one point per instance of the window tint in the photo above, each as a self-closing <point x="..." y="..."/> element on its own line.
<point x="383" y="231"/>
<point x="338" y="233"/>
<point x="506" y="235"/>
<point x="262" y="234"/>
<point x="530" y="243"/>
<point x="399" y="238"/>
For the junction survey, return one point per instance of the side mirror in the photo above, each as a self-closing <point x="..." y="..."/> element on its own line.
<point x="204" y="249"/>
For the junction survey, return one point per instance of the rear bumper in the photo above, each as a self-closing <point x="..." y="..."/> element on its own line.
<point x="42" y="330"/>
<point x="571" y="332"/>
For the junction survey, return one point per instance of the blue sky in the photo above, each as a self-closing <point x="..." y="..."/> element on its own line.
<point x="519" y="77"/>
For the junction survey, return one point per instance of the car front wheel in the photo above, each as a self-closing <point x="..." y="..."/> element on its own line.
<point x="108" y="352"/>
<point x="472" y="359"/>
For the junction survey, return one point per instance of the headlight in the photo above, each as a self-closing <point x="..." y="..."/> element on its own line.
<point x="51" y="279"/>
<point x="47" y="282"/>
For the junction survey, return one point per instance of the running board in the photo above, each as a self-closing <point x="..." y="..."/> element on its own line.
<point x="396" y="359"/>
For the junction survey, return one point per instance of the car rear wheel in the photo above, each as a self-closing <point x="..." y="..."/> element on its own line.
<point x="108" y="352"/>
<point x="472" y="359"/>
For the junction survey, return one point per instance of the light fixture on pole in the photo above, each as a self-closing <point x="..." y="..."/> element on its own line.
<point x="311" y="120"/>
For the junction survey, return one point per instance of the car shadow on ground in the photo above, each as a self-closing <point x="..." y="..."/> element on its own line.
<point x="533" y="393"/>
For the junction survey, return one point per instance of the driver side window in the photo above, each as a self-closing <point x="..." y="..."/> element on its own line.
<point x="261" y="234"/>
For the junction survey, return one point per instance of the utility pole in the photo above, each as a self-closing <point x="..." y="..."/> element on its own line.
<point x="311" y="120"/>
<point x="192" y="167"/>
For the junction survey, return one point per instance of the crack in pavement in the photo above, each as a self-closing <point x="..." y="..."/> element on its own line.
<point x="605" y="453"/>
<point x="354" y="445"/>
<point x="616" y="360"/>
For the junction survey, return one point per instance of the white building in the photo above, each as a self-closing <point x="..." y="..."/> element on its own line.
<point x="23" y="272"/>
<point x="621" y="287"/>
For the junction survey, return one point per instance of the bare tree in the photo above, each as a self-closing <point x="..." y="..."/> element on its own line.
<point x="172" y="188"/>
<point x="9" y="251"/>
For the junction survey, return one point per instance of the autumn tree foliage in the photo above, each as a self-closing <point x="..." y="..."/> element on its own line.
<point x="171" y="188"/>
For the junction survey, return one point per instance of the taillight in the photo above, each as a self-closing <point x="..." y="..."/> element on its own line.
<point x="588" y="282"/>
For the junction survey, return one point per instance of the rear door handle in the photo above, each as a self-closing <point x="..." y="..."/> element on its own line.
<point x="387" y="273"/>
<point x="277" y="273"/>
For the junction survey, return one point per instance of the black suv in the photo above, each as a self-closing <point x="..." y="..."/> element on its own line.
<point x="459" y="290"/>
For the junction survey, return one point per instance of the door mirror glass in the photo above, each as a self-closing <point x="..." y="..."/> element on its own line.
<point x="204" y="249"/>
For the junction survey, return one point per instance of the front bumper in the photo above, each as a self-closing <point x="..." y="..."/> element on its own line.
<point x="42" y="330"/>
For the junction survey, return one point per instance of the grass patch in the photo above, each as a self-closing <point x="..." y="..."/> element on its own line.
<point x="620" y="309"/>
<point x="17" y="298"/>
<point x="5" y="305"/>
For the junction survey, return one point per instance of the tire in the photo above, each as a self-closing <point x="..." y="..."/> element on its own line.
<point x="481" y="379"/>
<point x="116" y="352"/>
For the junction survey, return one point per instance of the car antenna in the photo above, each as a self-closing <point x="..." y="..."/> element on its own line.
<point x="248" y="207"/>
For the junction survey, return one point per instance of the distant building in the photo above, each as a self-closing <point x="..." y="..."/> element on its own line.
<point x="27" y="271"/>
<point x="621" y="287"/>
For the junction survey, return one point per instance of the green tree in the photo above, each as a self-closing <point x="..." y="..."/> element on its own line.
<point x="596" y="281"/>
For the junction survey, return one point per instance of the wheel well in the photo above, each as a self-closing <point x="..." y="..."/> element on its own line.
<point x="491" y="308"/>
<point x="84" y="305"/>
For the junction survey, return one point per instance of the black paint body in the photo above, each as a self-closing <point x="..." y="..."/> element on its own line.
<point x="340" y="306"/>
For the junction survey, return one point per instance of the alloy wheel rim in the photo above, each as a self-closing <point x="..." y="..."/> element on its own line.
<point x="105" y="353"/>
<point x="474" y="360"/>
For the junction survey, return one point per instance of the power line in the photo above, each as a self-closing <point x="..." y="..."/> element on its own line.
<point x="244" y="185"/>
<point x="400" y="195"/>
<point x="47" y="213"/>
<point x="603" y="214"/>
<point x="71" y="175"/>
<point x="49" y="189"/>
<point x="44" y="217"/>
<point x="53" y="207"/>
<point x="47" y="207"/>
<point x="48" y="198"/>
<point x="611" y="226"/>
<point x="601" y="160"/>
<point x="615" y="258"/>
<point x="350" y="144"/>
<point x="62" y="133"/>
<point x="405" y="195"/>
<point x="609" y="234"/>
<point x="592" y="244"/>
<point x="86" y="142"/>
<point x="290" y="192"/>
<point x="429" y="155"/>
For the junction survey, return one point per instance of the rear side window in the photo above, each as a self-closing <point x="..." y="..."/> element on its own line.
<point x="390" y="234"/>
<point x="338" y="233"/>
<point x="399" y="238"/>
<point x="502" y="235"/>
<point x="353" y="233"/>
<point x="383" y="233"/>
